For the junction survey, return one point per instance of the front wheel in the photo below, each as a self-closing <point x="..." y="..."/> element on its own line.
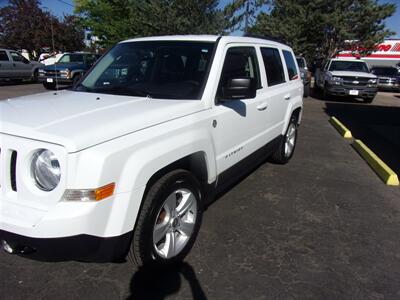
<point x="168" y="222"/>
<point x="285" y="149"/>
<point x="306" y="90"/>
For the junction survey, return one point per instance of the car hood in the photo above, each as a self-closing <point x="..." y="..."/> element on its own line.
<point x="78" y="120"/>
<point x="63" y="66"/>
<point x="352" y="73"/>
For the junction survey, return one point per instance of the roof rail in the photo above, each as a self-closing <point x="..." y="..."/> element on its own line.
<point x="267" y="37"/>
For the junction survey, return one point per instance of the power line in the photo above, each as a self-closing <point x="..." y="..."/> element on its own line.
<point x="65" y="3"/>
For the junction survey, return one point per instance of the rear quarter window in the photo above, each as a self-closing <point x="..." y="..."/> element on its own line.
<point x="273" y="66"/>
<point x="290" y="65"/>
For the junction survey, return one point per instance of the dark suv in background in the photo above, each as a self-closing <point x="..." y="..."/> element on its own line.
<point x="388" y="78"/>
<point x="68" y="70"/>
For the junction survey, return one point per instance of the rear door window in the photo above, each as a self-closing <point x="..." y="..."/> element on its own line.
<point x="290" y="65"/>
<point x="4" y="56"/>
<point x="273" y="66"/>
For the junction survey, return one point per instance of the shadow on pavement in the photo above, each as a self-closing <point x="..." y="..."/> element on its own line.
<point x="159" y="283"/>
<point x="16" y="82"/>
<point x="377" y="126"/>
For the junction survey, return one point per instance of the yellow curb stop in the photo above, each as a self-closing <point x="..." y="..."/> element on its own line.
<point x="341" y="128"/>
<point x="384" y="172"/>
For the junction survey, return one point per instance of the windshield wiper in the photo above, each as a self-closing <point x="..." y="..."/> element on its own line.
<point x="123" y="90"/>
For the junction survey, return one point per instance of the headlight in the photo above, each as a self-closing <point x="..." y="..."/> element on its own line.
<point x="336" y="80"/>
<point x="45" y="170"/>
<point x="66" y="73"/>
<point x="372" y="81"/>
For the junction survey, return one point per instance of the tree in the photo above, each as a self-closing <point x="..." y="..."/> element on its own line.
<point x="324" y="27"/>
<point x="25" y="26"/>
<point x="242" y="13"/>
<point x="113" y="21"/>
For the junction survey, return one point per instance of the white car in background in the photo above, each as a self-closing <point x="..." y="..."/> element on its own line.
<point x="49" y="59"/>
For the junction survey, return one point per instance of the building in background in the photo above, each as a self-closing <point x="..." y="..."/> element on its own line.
<point x="385" y="54"/>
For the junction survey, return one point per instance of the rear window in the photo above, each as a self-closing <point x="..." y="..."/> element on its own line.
<point x="273" y="66"/>
<point x="290" y="65"/>
<point x="3" y="56"/>
<point x="301" y="62"/>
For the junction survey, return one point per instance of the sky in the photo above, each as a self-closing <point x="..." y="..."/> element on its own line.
<point x="61" y="7"/>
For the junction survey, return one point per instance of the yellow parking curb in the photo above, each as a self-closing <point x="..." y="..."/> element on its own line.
<point x="341" y="128"/>
<point x="380" y="168"/>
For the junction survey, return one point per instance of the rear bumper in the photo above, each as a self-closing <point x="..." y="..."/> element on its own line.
<point x="339" y="90"/>
<point x="80" y="247"/>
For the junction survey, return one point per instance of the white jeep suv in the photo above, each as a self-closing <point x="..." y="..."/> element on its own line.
<point x="124" y="164"/>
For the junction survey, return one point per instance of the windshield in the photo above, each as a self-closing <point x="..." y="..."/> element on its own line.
<point x="300" y="62"/>
<point x="71" y="58"/>
<point x="355" y="66"/>
<point x="157" y="69"/>
<point x="385" y="71"/>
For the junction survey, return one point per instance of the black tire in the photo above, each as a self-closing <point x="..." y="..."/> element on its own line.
<point x="75" y="79"/>
<point x="35" y="75"/>
<point x="369" y="99"/>
<point x="49" y="86"/>
<point x="142" y="250"/>
<point x="325" y="93"/>
<point x="279" y="156"/>
<point x="306" y="90"/>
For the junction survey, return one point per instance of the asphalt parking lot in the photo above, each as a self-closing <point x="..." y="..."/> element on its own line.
<point x="323" y="226"/>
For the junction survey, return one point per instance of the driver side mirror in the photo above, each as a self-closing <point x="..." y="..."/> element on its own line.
<point x="239" y="88"/>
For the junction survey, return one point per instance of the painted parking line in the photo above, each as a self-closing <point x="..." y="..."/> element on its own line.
<point x="388" y="176"/>
<point x="346" y="133"/>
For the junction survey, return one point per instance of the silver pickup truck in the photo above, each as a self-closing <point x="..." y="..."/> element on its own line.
<point x="13" y="66"/>
<point x="347" y="77"/>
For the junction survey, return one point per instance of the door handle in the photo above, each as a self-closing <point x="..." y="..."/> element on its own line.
<point x="287" y="97"/>
<point x="13" y="64"/>
<point x="262" y="106"/>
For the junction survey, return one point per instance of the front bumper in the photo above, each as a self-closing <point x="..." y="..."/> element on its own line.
<point x="354" y="91"/>
<point x="79" y="247"/>
<point x="389" y="86"/>
<point x="52" y="79"/>
<point x="93" y="231"/>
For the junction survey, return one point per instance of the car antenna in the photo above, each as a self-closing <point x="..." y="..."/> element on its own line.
<point x="52" y="42"/>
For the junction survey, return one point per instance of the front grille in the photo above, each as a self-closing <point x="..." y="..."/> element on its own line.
<point x="384" y="80"/>
<point x="354" y="81"/>
<point x="13" y="170"/>
<point x="51" y="73"/>
<point x="8" y="169"/>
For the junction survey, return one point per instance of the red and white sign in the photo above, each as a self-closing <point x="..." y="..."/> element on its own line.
<point x="389" y="49"/>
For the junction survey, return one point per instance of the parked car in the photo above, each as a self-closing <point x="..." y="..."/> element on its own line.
<point x="388" y="78"/>
<point x="49" y="58"/>
<point x="125" y="162"/>
<point x="347" y="77"/>
<point x="67" y="70"/>
<point x="13" y="66"/>
<point x="305" y="74"/>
